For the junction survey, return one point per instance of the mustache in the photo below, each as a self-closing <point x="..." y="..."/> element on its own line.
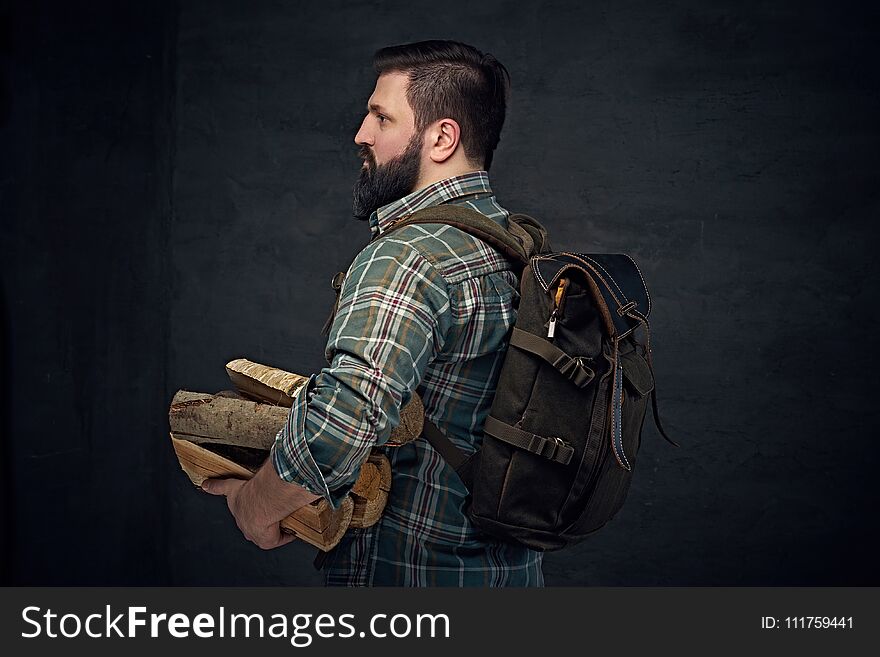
<point x="364" y="153"/>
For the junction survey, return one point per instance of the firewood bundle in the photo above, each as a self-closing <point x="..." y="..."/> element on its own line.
<point x="230" y="433"/>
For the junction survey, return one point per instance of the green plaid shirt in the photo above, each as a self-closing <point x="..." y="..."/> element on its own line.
<point x="427" y="309"/>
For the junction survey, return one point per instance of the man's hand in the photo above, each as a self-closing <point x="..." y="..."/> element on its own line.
<point x="259" y="504"/>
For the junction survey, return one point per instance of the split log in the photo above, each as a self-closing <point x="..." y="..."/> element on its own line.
<point x="317" y="523"/>
<point x="264" y="383"/>
<point x="276" y="386"/>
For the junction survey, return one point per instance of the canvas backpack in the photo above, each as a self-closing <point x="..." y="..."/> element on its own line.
<point x="562" y="437"/>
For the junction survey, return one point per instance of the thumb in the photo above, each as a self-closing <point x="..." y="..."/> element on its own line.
<point x="217" y="486"/>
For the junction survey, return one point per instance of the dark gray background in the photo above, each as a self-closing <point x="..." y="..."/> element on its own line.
<point x="175" y="192"/>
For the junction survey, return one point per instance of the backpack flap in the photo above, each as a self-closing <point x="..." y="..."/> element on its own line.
<point x="615" y="280"/>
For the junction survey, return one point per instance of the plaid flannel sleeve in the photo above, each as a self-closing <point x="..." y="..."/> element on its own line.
<point x="391" y="320"/>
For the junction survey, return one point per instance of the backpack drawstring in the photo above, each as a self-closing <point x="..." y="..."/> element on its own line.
<point x="648" y="356"/>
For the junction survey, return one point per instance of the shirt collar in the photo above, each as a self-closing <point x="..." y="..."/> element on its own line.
<point x="442" y="191"/>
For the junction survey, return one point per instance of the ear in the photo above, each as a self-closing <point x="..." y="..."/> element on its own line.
<point x="441" y="139"/>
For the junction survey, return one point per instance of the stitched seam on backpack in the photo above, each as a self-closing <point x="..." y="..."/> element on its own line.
<point x="538" y="274"/>
<point x="596" y="464"/>
<point x="622" y="293"/>
<point x="518" y="425"/>
<point x="504" y="484"/>
<point x="602" y="278"/>
<point x="610" y="277"/>
<point x="647" y="294"/>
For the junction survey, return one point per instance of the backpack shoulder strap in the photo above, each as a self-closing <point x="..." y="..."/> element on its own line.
<point x="523" y="237"/>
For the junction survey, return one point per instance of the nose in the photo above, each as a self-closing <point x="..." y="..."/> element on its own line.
<point x="363" y="135"/>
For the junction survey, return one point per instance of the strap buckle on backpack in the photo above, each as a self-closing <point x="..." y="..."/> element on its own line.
<point x="570" y="366"/>
<point x="552" y="447"/>
<point x="575" y="369"/>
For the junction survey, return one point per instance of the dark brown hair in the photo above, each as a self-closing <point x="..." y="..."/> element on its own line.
<point x="448" y="79"/>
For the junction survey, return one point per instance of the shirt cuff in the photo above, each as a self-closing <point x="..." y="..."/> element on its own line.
<point x="292" y="457"/>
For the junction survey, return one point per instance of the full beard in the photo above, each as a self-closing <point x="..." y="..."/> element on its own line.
<point x="380" y="185"/>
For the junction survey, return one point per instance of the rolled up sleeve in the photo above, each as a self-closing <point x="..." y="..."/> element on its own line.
<point x="391" y="320"/>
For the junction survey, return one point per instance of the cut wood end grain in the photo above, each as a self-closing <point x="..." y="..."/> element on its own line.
<point x="370" y="499"/>
<point x="412" y="421"/>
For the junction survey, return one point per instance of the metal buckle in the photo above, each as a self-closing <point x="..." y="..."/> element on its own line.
<point x="556" y="444"/>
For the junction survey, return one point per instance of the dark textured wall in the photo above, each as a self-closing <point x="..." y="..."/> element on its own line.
<point x="729" y="147"/>
<point x="85" y="205"/>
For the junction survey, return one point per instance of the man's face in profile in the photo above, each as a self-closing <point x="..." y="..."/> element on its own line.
<point x="390" y="148"/>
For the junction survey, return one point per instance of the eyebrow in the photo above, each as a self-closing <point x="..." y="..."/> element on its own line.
<point x="375" y="107"/>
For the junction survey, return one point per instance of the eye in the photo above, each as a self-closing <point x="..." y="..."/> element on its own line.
<point x="382" y="118"/>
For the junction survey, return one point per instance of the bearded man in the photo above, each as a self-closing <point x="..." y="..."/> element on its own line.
<point x="428" y="309"/>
